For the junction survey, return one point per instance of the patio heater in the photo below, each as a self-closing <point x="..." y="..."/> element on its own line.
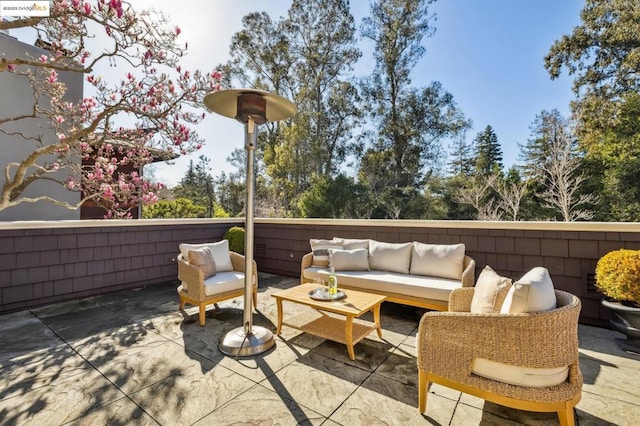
<point x="252" y="108"/>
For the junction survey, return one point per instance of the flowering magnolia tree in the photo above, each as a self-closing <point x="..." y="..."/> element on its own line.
<point x="121" y="124"/>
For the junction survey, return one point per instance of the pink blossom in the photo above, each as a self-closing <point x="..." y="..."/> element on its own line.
<point x="55" y="166"/>
<point x="178" y="30"/>
<point x="43" y="58"/>
<point x="53" y="76"/>
<point x="217" y="75"/>
<point x="59" y="119"/>
<point x="87" y="8"/>
<point x="11" y="67"/>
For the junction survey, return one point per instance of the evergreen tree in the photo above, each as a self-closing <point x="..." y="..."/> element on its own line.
<point x="488" y="152"/>
<point x="410" y="121"/>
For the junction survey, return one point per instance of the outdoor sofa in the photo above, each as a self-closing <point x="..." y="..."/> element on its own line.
<point x="412" y="273"/>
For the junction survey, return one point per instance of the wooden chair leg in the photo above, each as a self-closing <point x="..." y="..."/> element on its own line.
<point x="255" y="300"/>
<point x="423" y="388"/>
<point x="201" y="314"/>
<point x="566" y="417"/>
<point x="182" y="303"/>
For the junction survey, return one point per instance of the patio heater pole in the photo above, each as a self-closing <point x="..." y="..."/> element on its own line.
<point x="251" y="107"/>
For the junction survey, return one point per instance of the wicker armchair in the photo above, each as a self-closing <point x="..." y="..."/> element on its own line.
<point x="448" y="343"/>
<point x="192" y="289"/>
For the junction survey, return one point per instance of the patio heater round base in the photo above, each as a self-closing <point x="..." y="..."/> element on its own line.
<point x="237" y="343"/>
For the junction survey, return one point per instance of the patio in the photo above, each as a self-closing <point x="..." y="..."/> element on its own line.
<point x="132" y="358"/>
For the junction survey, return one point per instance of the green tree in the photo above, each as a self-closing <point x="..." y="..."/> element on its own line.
<point x="488" y="152"/>
<point x="602" y="54"/>
<point x="197" y="185"/>
<point x="410" y="121"/>
<point x="174" y="209"/>
<point x="339" y="197"/>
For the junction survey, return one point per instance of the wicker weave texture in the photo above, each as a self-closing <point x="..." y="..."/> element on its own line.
<point x="448" y="342"/>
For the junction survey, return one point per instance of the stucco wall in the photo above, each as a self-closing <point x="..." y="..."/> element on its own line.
<point x="16" y="97"/>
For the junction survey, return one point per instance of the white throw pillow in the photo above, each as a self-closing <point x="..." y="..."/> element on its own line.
<point x="320" y="249"/>
<point x="390" y="257"/>
<point x="438" y="260"/>
<point x="220" y="251"/>
<point x="531" y="293"/>
<point x="349" y="260"/>
<point x="487" y="289"/>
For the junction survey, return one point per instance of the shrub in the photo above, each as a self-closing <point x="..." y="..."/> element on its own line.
<point x="235" y="235"/>
<point x="618" y="275"/>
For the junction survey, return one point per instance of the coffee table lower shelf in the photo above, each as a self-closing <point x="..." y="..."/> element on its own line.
<point x="336" y="329"/>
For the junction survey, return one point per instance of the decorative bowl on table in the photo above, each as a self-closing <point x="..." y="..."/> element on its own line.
<point x="322" y="293"/>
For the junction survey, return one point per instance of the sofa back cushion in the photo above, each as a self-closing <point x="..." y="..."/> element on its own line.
<point x="349" y="260"/>
<point x="220" y="251"/>
<point x="392" y="257"/>
<point x="352" y="243"/>
<point x="437" y="260"/>
<point x="320" y="250"/>
<point x="532" y="293"/>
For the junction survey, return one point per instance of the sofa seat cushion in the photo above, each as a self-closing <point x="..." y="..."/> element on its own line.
<point x="519" y="376"/>
<point x="223" y="282"/>
<point x="390" y="282"/>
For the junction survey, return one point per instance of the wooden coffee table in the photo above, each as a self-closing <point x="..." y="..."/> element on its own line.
<point x="330" y="327"/>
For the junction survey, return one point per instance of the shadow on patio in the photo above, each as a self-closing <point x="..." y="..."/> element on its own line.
<point x="133" y="358"/>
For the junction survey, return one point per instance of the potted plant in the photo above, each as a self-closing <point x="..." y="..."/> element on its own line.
<point x="618" y="278"/>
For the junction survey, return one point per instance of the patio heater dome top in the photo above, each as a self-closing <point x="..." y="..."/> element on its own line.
<point x="241" y="103"/>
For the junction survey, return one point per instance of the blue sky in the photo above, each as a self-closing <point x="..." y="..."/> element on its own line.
<point x="488" y="53"/>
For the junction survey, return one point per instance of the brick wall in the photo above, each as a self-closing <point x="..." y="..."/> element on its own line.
<point x="47" y="262"/>
<point x="569" y="250"/>
<point x="55" y="261"/>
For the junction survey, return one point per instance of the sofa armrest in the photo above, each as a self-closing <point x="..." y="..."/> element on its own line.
<point x="193" y="277"/>
<point x="306" y="262"/>
<point x="468" y="272"/>
<point x="237" y="260"/>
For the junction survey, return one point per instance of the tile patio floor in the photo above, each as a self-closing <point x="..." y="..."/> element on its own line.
<point x="132" y="358"/>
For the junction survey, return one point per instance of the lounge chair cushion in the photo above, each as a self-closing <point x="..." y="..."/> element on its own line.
<point x="349" y="260"/>
<point x="391" y="257"/>
<point x="519" y="376"/>
<point x="437" y="260"/>
<point x="223" y="282"/>
<point x="532" y="293"/>
<point x="487" y="289"/>
<point x="220" y="251"/>
<point x="320" y="249"/>
<point x="203" y="259"/>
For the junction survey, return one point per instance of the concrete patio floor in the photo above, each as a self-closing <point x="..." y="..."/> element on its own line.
<point x="133" y="358"/>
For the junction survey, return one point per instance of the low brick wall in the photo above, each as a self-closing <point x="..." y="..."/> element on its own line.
<point x="46" y="262"/>
<point x="569" y="250"/>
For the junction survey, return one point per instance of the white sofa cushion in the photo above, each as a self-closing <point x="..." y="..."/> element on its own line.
<point x="392" y="257"/>
<point x="320" y="250"/>
<point x="390" y="282"/>
<point x="531" y="293"/>
<point x="352" y="243"/>
<point x="223" y="282"/>
<point x="203" y="259"/>
<point x="438" y="260"/>
<point x="349" y="260"/>
<point x="220" y="251"/>
<point x="519" y="376"/>
<point x="487" y="288"/>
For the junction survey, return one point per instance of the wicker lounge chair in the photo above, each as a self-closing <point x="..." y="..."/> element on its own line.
<point x="448" y="343"/>
<point x="192" y="289"/>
